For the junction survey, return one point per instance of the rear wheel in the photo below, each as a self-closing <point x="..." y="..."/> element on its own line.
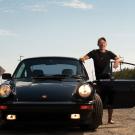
<point x="97" y="114"/>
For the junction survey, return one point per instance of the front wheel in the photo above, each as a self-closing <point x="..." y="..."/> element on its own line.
<point x="3" y="124"/>
<point x="97" y="115"/>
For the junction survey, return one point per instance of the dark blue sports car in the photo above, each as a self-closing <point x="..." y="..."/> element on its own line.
<point x="50" y="89"/>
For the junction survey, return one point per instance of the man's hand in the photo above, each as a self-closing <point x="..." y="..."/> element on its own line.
<point x="84" y="58"/>
<point x="117" y="62"/>
<point x="115" y="65"/>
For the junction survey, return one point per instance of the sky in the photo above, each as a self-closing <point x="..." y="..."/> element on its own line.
<point x="32" y="28"/>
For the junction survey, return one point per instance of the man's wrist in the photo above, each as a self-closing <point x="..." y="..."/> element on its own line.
<point x="82" y="59"/>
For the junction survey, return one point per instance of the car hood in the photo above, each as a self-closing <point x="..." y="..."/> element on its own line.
<point x="42" y="91"/>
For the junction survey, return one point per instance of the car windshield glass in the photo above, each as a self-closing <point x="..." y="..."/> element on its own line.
<point x="49" y="68"/>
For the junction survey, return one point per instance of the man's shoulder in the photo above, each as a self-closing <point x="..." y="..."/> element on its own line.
<point x="111" y="54"/>
<point x="95" y="51"/>
<point x="92" y="53"/>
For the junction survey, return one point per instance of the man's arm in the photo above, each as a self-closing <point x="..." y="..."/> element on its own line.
<point x="85" y="57"/>
<point x="117" y="62"/>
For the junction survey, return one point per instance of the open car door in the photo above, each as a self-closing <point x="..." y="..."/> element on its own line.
<point x="122" y="87"/>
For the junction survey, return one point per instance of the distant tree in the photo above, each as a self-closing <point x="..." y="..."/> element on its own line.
<point x="126" y="73"/>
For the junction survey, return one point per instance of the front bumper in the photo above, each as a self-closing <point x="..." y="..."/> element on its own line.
<point x="47" y="111"/>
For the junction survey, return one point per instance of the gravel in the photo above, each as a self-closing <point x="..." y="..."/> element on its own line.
<point x="124" y="123"/>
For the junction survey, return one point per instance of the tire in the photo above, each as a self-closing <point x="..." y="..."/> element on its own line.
<point x="97" y="115"/>
<point x="98" y="112"/>
<point x="3" y="122"/>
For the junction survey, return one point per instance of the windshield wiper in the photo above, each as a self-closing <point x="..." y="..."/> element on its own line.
<point x="77" y="76"/>
<point x="69" y="76"/>
<point x="57" y="76"/>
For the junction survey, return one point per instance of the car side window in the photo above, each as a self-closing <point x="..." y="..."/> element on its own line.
<point x="22" y="72"/>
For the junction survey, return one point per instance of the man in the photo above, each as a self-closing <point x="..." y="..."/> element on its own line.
<point x="101" y="58"/>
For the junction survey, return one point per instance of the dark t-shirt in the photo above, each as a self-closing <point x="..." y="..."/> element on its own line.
<point x="101" y="62"/>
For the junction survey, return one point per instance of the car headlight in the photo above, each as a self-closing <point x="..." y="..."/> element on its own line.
<point x="85" y="91"/>
<point x="5" y="91"/>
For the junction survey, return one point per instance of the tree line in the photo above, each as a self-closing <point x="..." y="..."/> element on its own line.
<point x="125" y="73"/>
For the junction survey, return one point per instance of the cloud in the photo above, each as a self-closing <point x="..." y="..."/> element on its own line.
<point x="5" y="10"/>
<point x="8" y="11"/>
<point x="7" y="33"/>
<point x="41" y="7"/>
<point x="36" y="8"/>
<point x="78" y="4"/>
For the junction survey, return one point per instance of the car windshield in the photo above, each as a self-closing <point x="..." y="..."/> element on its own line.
<point x="48" y="68"/>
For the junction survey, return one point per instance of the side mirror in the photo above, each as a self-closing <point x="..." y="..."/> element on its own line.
<point x="6" y="76"/>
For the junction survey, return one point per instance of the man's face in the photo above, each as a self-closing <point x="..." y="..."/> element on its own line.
<point x="102" y="45"/>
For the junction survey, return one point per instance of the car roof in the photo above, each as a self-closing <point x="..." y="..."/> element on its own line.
<point x="43" y="57"/>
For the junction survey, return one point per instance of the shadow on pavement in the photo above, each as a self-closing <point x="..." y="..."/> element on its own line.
<point x="40" y="129"/>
